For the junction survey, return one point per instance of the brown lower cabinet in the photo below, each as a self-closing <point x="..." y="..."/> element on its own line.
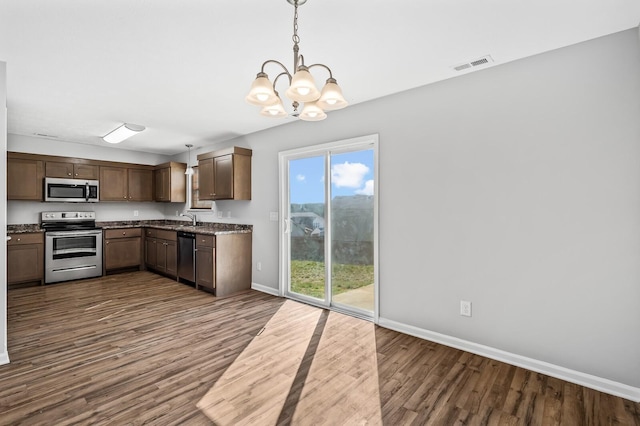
<point x="25" y="259"/>
<point x="161" y="251"/>
<point x="122" y="249"/>
<point x="223" y="263"/>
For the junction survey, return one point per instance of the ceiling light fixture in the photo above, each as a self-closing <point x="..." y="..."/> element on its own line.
<point x="189" y="170"/>
<point x="302" y="88"/>
<point x="123" y="132"/>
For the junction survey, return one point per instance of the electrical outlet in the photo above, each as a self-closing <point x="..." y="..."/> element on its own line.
<point x="219" y="214"/>
<point x="259" y="266"/>
<point x="465" y="308"/>
<point x="273" y="216"/>
<point x="135" y="213"/>
<point x="229" y="214"/>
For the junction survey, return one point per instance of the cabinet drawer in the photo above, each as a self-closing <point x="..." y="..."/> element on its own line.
<point x="32" y="238"/>
<point x="205" y="240"/>
<point x="167" y="235"/>
<point x="122" y="233"/>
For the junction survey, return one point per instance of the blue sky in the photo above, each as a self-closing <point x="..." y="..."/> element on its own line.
<point x="351" y="174"/>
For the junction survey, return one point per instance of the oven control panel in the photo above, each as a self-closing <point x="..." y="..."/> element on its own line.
<point x="67" y="216"/>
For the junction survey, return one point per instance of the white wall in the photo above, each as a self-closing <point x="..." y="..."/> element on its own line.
<point x="4" y="357"/>
<point x="517" y="188"/>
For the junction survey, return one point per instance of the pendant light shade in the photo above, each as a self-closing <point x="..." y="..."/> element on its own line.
<point x="276" y="110"/>
<point x="331" y="97"/>
<point x="312" y="112"/>
<point x="261" y="92"/>
<point x="303" y="87"/>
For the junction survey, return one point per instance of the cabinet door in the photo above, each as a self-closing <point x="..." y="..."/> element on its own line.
<point x="58" y="170"/>
<point x="162" y="184"/>
<point x="113" y="184"/>
<point x="161" y="255"/>
<point x="122" y="253"/>
<point x="24" y="179"/>
<point x="223" y="177"/>
<point x="85" y="171"/>
<point x="171" y="267"/>
<point x="205" y="179"/>
<point x="140" y="185"/>
<point x="25" y="263"/>
<point x="150" y="253"/>
<point x="205" y="267"/>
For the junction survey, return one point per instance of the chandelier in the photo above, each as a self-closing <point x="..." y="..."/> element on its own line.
<point x="302" y="88"/>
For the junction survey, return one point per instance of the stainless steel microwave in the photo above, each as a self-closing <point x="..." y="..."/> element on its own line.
<point x="71" y="190"/>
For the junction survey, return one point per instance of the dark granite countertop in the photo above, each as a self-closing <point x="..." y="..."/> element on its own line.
<point x="181" y="225"/>
<point x="171" y="225"/>
<point x="24" y="229"/>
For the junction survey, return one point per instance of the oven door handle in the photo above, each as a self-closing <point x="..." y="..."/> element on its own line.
<point x="73" y="234"/>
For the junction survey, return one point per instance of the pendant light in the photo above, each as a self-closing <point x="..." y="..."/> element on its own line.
<point x="302" y="87"/>
<point x="189" y="170"/>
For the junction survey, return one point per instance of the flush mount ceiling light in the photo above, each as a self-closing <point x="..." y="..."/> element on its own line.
<point x="189" y="170"/>
<point x="302" y="88"/>
<point x="123" y="132"/>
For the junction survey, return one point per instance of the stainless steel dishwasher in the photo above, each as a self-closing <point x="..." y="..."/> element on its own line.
<point x="186" y="256"/>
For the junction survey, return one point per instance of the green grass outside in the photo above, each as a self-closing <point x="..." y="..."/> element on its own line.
<point x="307" y="277"/>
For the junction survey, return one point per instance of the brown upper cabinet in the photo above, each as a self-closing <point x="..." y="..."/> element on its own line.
<point x="170" y="182"/>
<point x="24" y="178"/>
<point x="71" y="170"/>
<point x="225" y="174"/>
<point x="126" y="184"/>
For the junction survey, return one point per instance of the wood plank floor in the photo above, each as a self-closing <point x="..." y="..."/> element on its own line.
<point x="138" y="348"/>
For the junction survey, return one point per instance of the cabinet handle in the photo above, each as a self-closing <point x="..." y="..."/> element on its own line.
<point x="18" y="239"/>
<point x="76" y="174"/>
<point x="106" y="242"/>
<point x="124" y="233"/>
<point x="69" y="174"/>
<point x="125" y="197"/>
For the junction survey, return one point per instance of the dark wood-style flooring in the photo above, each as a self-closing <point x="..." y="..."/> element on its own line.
<point x="138" y="348"/>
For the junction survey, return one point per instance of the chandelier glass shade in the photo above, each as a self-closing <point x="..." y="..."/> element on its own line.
<point x="302" y="88"/>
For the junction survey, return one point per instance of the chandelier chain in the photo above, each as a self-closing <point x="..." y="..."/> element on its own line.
<point x="295" y="38"/>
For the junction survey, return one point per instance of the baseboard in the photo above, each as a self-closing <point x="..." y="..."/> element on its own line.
<point x="4" y="358"/>
<point x="263" y="288"/>
<point x="573" y="376"/>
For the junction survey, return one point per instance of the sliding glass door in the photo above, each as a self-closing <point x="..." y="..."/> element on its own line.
<point x="329" y="233"/>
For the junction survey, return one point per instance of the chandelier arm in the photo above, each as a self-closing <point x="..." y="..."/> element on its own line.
<point x="275" y="80"/>
<point x="323" y="66"/>
<point x="275" y="62"/>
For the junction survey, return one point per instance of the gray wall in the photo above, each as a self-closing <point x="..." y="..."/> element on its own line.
<point x="515" y="187"/>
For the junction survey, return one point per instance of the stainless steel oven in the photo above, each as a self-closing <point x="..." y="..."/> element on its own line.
<point x="73" y="246"/>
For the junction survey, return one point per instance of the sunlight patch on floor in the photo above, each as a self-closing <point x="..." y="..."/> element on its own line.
<point x="254" y="388"/>
<point x="337" y="383"/>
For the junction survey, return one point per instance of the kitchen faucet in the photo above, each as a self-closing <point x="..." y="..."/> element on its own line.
<point x="190" y="216"/>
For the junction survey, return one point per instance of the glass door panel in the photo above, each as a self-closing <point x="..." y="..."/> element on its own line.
<point x="307" y="275"/>
<point x="352" y="231"/>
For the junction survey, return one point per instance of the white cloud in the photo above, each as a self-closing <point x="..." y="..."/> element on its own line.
<point x="368" y="188"/>
<point x="300" y="178"/>
<point x="349" y="175"/>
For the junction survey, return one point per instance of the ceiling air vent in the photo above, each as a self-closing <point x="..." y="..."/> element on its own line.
<point x="475" y="63"/>
<point x="44" y="135"/>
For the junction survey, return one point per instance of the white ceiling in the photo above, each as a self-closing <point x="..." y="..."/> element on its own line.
<point x="77" y="69"/>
